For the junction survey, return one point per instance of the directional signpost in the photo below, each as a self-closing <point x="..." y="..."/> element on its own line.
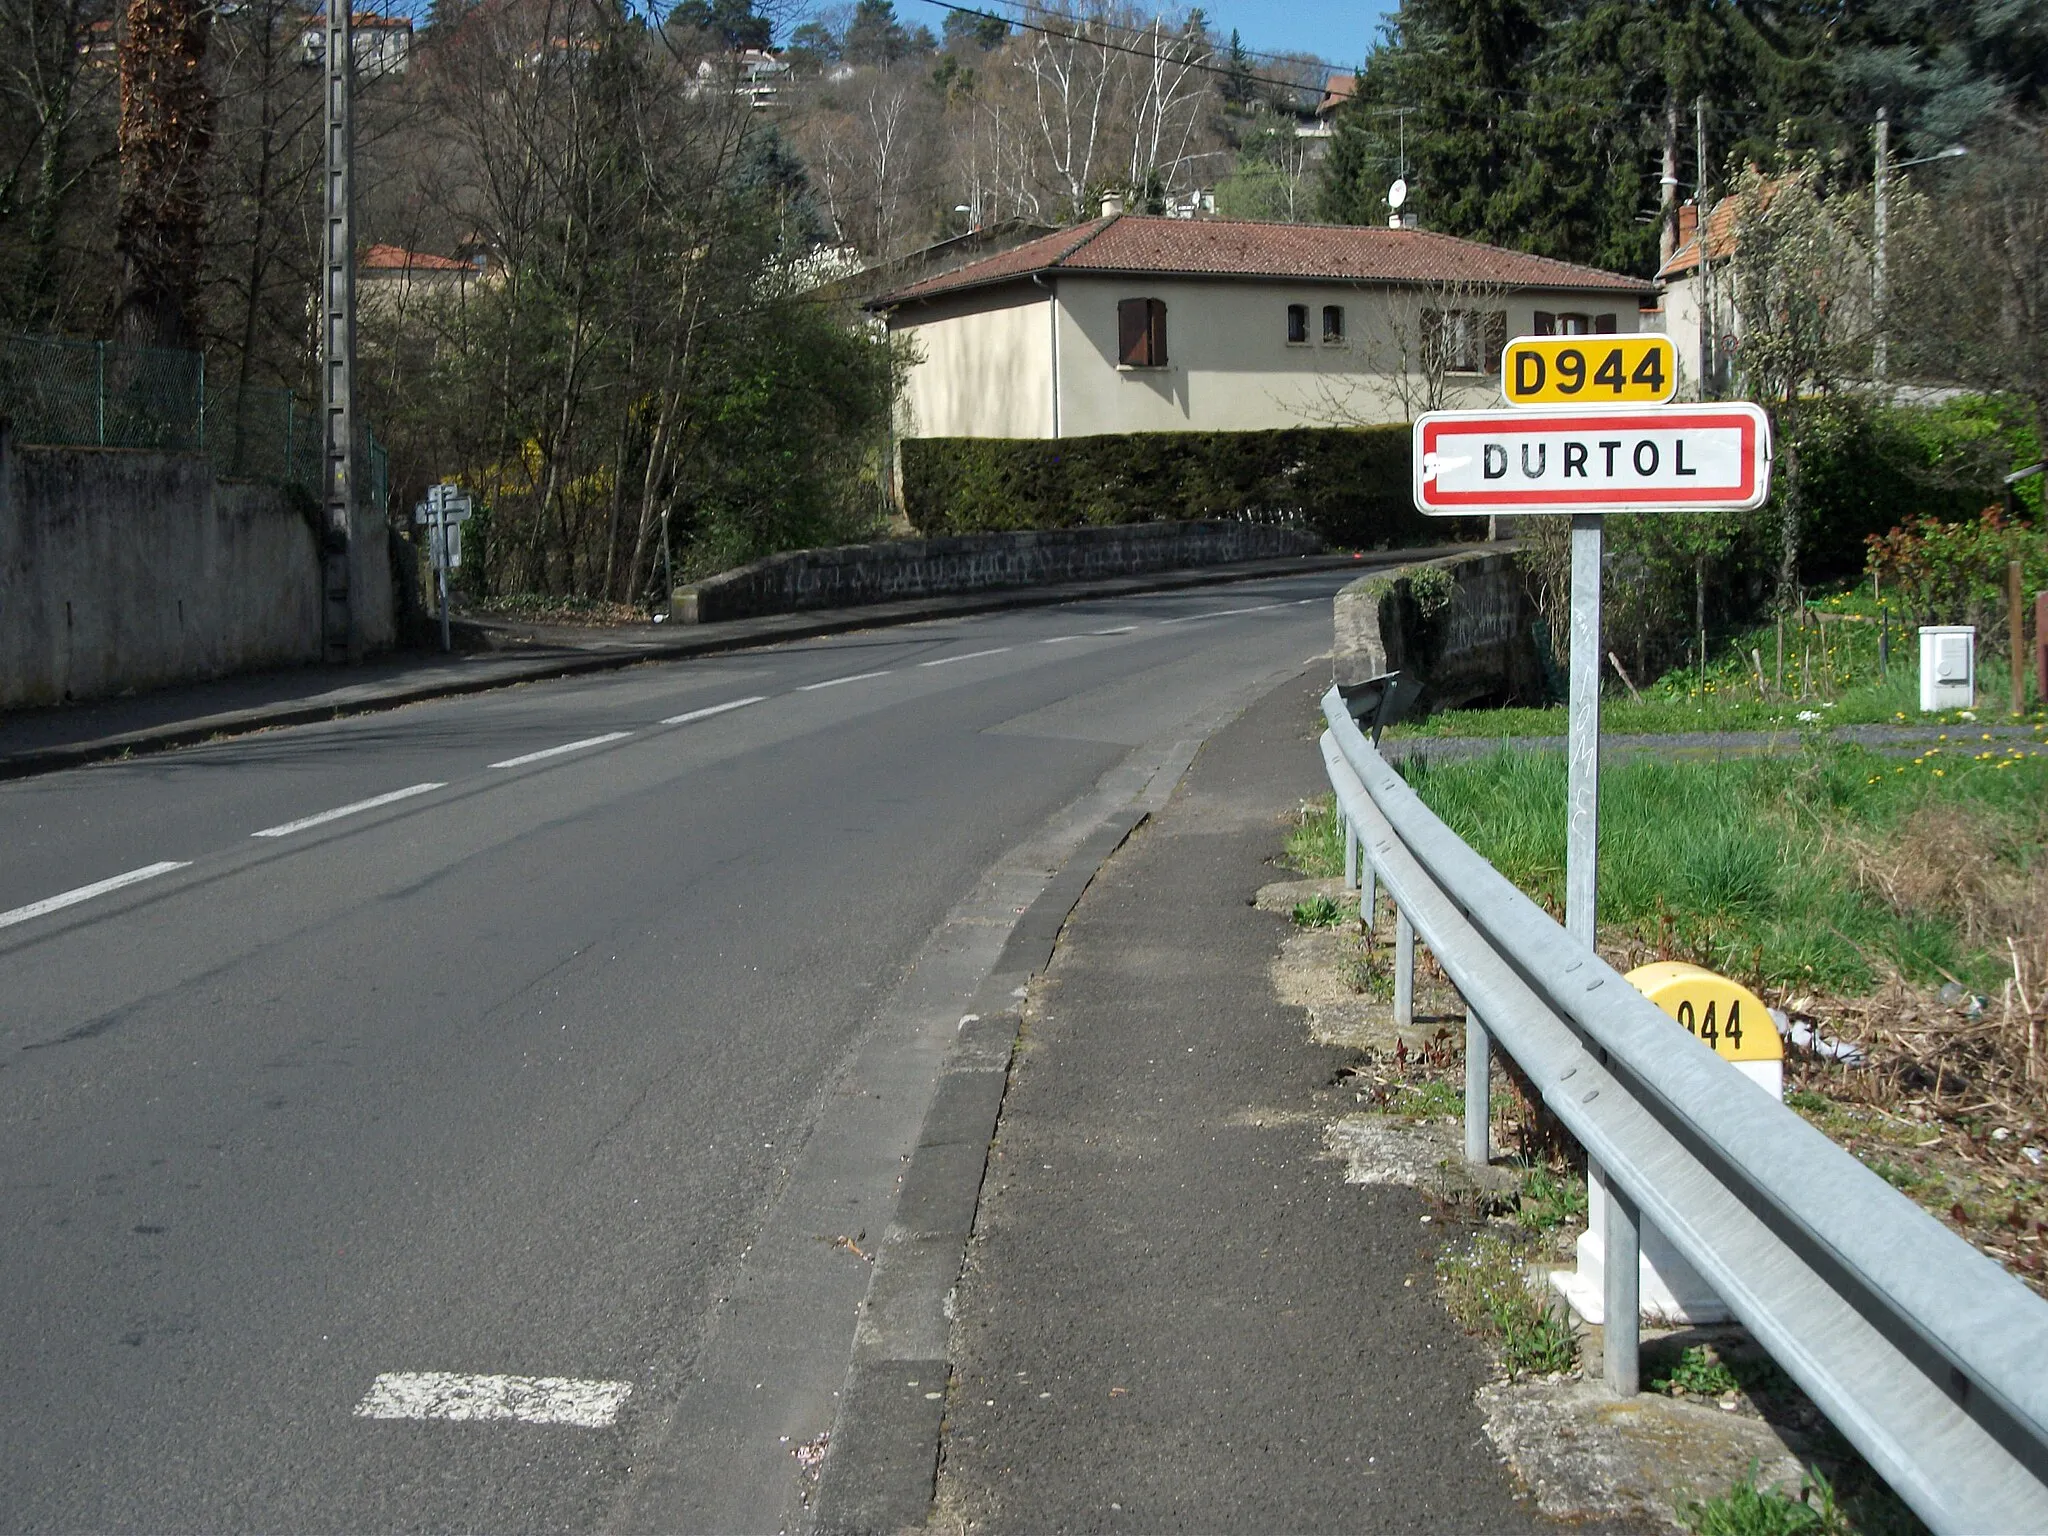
<point x="1587" y="432"/>
<point x="444" y="512"/>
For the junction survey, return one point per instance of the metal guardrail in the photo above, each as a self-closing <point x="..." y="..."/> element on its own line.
<point x="1926" y="1355"/>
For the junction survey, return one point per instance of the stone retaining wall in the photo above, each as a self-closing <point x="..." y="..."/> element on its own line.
<point x="1462" y="626"/>
<point x="904" y="568"/>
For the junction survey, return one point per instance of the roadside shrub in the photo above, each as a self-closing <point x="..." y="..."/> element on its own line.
<point x="1955" y="573"/>
<point x="1350" y="484"/>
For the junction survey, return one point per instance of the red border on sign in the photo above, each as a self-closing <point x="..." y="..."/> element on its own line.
<point x="1664" y="419"/>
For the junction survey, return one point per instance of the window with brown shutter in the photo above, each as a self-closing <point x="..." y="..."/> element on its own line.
<point x="1603" y="325"/>
<point x="1546" y="323"/>
<point x="1464" y="340"/>
<point x="1297" y="325"/>
<point x="1141" y="333"/>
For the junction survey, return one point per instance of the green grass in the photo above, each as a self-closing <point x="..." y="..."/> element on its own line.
<point x="1315" y="846"/>
<point x="1430" y="1099"/>
<point x="1846" y="688"/>
<point x="1486" y="1291"/>
<point x="1742" y="859"/>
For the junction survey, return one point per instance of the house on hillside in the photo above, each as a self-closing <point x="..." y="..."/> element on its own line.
<point x="382" y="45"/>
<point x="394" y="282"/>
<point x="1142" y="324"/>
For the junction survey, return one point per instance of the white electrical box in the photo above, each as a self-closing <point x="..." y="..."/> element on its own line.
<point x="1948" y="666"/>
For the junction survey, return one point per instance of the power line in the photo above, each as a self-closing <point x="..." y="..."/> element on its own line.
<point x="1080" y="35"/>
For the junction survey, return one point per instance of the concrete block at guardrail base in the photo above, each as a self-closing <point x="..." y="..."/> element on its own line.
<point x="895" y="569"/>
<point x="1464" y="626"/>
<point x="1740" y="1027"/>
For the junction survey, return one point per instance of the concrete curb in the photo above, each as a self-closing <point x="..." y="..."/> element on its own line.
<point x="739" y="635"/>
<point x="883" y="1466"/>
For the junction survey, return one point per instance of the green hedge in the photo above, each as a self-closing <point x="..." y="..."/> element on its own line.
<point x="1351" y="484"/>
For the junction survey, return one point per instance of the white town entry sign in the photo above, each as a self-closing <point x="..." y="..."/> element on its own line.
<point x="1677" y="458"/>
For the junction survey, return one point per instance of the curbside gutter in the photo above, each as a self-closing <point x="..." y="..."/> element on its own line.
<point x="885" y="1443"/>
<point x="444" y="679"/>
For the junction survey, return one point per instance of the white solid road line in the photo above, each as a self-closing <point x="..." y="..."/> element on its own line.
<point x="947" y="661"/>
<point x="523" y="1399"/>
<point x="715" y="709"/>
<point x="340" y="811"/>
<point x="87" y="892"/>
<point x="567" y="746"/>
<point x="834" y="682"/>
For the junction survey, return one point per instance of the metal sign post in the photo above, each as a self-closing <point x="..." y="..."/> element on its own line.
<point x="443" y="512"/>
<point x="1588" y="462"/>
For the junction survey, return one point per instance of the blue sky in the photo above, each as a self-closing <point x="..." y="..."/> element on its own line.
<point x="1339" y="31"/>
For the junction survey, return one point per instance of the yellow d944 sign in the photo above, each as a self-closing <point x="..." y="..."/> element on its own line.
<point x="1724" y="1014"/>
<point x="1589" y="370"/>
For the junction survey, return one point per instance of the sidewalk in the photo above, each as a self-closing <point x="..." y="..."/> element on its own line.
<point x="40" y="740"/>
<point x="1176" y="1314"/>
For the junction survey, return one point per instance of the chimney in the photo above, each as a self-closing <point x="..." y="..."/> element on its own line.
<point x="1688" y="223"/>
<point x="1112" y="204"/>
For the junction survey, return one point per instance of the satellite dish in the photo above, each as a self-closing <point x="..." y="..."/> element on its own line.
<point x="1397" y="194"/>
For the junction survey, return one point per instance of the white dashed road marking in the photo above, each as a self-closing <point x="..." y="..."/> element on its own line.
<point x="340" y="811"/>
<point x="87" y="892"/>
<point x="568" y="746"/>
<point x="523" y="1399"/>
<point x="946" y="661"/>
<point x="1224" y="613"/>
<point x="834" y="682"/>
<point x="715" y="709"/>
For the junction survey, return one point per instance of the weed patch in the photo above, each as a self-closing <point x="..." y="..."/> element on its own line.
<point x="1318" y="912"/>
<point x="1548" y="1200"/>
<point x="1747" y="1510"/>
<point x="1486" y="1289"/>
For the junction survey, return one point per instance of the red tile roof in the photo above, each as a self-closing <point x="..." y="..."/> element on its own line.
<point x="1141" y="246"/>
<point x="1721" y="221"/>
<point x="395" y="258"/>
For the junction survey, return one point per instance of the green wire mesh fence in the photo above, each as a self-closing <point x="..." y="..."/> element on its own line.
<point x="106" y="394"/>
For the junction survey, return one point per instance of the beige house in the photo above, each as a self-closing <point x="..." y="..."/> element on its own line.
<point x="1136" y="324"/>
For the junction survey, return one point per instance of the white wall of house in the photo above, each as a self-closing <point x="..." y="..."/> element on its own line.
<point x="984" y="366"/>
<point x="1683" y="298"/>
<point x="988" y="356"/>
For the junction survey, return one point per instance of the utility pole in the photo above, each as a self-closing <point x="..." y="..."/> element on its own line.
<point x="1880" y="295"/>
<point x="340" y="640"/>
<point x="1709" y="367"/>
<point x="1667" y="185"/>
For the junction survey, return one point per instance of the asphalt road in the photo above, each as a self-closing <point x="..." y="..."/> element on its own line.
<point x="580" y="1069"/>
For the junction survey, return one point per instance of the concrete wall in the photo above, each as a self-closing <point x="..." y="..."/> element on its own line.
<point x="1465" y="635"/>
<point x="1229" y="364"/>
<point x="125" y="570"/>
<point x="901" y="568"/>
<point x="984" y="369"/>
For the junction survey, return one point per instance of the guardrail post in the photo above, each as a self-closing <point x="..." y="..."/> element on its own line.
<point x="1478" y="1091"/>
<point x="1621" y="1334"/>
<point x="1404" y="971"/>
<point x="1368" y="894"/>
<point x="1350" y="853"/>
